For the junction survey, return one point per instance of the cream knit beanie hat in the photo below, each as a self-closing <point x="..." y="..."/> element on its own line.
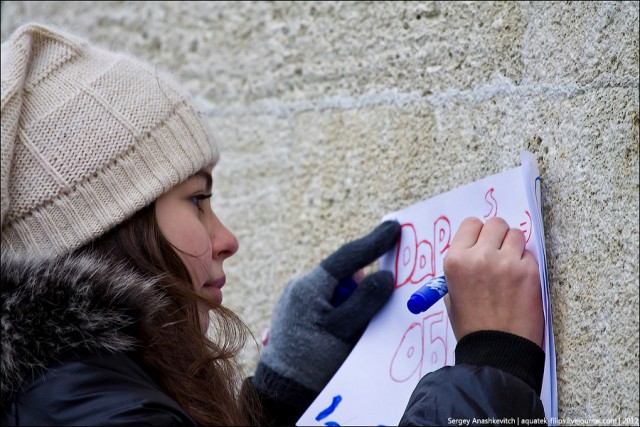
<point x="89" y="137"/>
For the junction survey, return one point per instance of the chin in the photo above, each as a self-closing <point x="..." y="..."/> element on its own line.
<point x="212" y="293"/>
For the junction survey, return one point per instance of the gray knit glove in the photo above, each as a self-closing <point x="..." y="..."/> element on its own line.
<point x="309" y="338"/>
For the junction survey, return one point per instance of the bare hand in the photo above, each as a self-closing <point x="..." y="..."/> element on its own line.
<point x="494" y="283"/>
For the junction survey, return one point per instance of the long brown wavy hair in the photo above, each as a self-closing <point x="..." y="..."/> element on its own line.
<point x="201" y="374"/>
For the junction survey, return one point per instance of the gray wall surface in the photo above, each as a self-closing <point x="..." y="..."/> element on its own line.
<point x="331" y="114"/>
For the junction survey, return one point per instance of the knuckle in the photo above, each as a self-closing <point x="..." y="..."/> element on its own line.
<point x="479" y="261"/>
<point x="516" y="232"/>
<point x="452" y="261"/>
<point x="497" y="221"/>
<point x="472" y="220"/>
<point x="507" y="267"/>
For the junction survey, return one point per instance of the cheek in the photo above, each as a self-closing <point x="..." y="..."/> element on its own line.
<point x="193" y="244"/>
<point x="192" y="239"/>
<point x="195" y="252"/>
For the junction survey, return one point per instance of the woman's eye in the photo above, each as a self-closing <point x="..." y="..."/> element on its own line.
<point x="197" y="200"/>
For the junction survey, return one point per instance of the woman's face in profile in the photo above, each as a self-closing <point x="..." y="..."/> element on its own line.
<point x="187" y="221"/>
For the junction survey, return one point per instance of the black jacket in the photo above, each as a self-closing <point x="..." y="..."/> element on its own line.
<point x="69" y="337"/>
<point x="94" y="389"/>
<point x="69" y="333"/>
<point x="496" y="380"/>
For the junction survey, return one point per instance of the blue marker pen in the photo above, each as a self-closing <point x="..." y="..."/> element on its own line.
<point x="429" y="294"/>
<point x="343" y="291"/>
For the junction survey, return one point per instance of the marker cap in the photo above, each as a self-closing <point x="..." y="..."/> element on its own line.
<point x="422" y="301"/>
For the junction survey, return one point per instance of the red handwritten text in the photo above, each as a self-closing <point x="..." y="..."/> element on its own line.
<point x="415" y="261"/>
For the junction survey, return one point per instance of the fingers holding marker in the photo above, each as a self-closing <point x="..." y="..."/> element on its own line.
<point x="467" y="234"/>
<point x="493" y="233"/>
<point x="514" y="242"/>
<point x="493" y="282"/>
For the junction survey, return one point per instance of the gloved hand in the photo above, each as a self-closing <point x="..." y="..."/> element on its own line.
<point x="309" y="338"/>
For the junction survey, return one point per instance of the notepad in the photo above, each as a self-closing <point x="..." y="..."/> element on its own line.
<point x="398" y="348"/>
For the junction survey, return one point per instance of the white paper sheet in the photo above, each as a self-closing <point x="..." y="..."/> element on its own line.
<point x="375" y="382"/>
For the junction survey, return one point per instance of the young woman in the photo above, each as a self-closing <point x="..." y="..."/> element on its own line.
<point x="112" y="270"/>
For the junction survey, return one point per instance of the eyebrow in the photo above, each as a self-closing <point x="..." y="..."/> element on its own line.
<point x="207" y="177"/>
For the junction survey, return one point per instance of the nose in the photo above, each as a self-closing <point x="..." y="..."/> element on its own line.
<point x="223" y="243"/>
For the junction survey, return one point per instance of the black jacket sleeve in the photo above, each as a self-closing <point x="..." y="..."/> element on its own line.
<point x="105" y="390"/>
<point x="496" y="380"/>
<point x="283" y="400"/>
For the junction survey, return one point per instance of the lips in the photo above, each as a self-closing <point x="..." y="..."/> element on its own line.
<point x="218" y="283"/>
<point x="213" y="290"/>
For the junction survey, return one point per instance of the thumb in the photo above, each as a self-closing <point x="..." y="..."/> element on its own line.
<point x="349" y="320"/>
<point x="361" y="252"/>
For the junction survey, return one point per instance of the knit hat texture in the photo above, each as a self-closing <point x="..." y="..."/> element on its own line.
<point x="89" y="137"/>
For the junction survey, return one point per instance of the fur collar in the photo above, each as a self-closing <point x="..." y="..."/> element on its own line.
<point x="71" y="303"/>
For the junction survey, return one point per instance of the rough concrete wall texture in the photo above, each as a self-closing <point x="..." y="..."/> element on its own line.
<point x="330" y="115"/>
